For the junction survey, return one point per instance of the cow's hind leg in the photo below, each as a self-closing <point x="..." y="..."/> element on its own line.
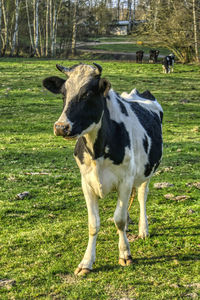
<point x="120" y="217"/>
<point x="94" y="224"/>
<point x="142" y="198"/>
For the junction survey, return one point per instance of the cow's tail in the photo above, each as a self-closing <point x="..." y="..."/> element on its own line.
<point x="133" y="194"/>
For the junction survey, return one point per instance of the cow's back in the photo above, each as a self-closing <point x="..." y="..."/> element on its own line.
<point x="145" y="128"/>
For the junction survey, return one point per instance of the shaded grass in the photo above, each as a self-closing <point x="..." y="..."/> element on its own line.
<point x="44" y="236"/>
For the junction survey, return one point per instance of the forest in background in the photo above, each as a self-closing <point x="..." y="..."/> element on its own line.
<point x="52" y="28"/>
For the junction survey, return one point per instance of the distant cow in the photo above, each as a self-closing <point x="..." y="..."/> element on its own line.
<point x="153" y="56"/>
<point x="168" y="63"/>
<point x="139" y="56"/>
<point x="119" y="147"/>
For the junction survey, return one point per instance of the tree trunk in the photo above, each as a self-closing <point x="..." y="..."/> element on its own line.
<point x="51" y="20"/>
<point x="15" y="34"/>
<point x="54" y="13"/>
<point x="129" y="15"/>
<point x="41" y="42"/>
<point x="0" y="24"/>
<point x="195" y="31"/>
<point x="29" y="26"/>
<point x="74" y="30"/>
<point x="157" y="5"/>
<point x="5" y="40"/>
<point x="47" y="30"/>
<point x="118" y="10"/>
<point x="134" y="7"/>
<point x="36" y="26"/>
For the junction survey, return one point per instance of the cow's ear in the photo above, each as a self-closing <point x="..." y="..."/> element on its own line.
<point x="53" y="84"/>
<point x="104" y="86"/>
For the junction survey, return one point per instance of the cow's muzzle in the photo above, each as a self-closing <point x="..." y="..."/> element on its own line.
<point x="61" y="129"/>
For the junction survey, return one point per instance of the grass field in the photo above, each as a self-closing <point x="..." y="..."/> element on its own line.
<point x="44" y="235"/>
<point x="128" y="48"/>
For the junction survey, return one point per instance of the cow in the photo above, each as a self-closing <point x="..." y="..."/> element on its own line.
<point x="168" y="63"/>
<point x="118" y="148"/>
<point x="139" y="56"/>
<point x="153" y="56"/>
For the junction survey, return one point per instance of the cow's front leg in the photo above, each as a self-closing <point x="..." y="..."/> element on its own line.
<point x="120" y="218"/>
<point x="93" y="225"/>
<point x="142" y="198"/>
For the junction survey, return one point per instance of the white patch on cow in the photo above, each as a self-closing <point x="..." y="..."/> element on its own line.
<point x="146" y="103"/>
<point x="113" y="107"/>
<point x="78" y="77"/>
<point x="142" y="198"/>
<point x="103" y="176"/>
<point x="106" y="149"/>
<point x="91" y="132"/>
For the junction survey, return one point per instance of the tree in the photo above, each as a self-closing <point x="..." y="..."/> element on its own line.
<point x="74" y="30"/>
<point x="195" y="30"/>
<point x="54" y="11"/>
<point x="47" y="30"/>
<point x="5" y="19"/>
<point x="0" y="24"/>
<point x="29" y="26"/>
<point x="15" y="34"/>
<point x="169" y="24"/>
<point x="36" y="26"/>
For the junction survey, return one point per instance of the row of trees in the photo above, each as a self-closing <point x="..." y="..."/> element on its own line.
<point x="174" y="24"/>
<point x="44" y="27"/>
<point x="52" y="27"/>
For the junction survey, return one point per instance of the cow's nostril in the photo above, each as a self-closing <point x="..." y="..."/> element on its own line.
<point x="61" y="128"/>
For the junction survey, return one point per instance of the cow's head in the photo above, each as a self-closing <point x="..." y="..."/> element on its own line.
<point x="83" y="98"/>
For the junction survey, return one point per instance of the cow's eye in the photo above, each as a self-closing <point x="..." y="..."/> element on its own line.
<point x="89" y="93"/>
<point x="86" y="94"/>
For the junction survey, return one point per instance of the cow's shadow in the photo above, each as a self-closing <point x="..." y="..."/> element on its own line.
<point x="182" y="231"/>
<point x="148" y="261"/>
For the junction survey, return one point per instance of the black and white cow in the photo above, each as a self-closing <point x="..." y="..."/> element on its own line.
<point x="119" y="147"/>
<point x="139" y="56"/>
<point x="153" y="56"/>
<point x="168" y="63"/>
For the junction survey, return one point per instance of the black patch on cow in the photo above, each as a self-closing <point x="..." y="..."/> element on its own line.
<point x="147" y="95"/>
<point x="145" y="144"/>
<point x="85" y="108"/>
<point x="108" y="97"/>
<point x="148" y="169"/>
<point x="122" y="106"/>
<point x="112" y="139"/>
<point x="152" y="124"/>
<point x="115" y="140"/>
<point x="161" y="116"/>
<point x="80" y="148"/>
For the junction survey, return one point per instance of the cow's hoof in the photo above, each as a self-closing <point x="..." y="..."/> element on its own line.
<point x="126" y="262"/>
<point x="122" y="262"/>
<point x="129" y="261"/>
<point x="143" y="235"/>
<point x="81" y="272"/>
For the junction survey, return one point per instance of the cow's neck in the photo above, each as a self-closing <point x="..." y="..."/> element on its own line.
<point x="92" y="137"/>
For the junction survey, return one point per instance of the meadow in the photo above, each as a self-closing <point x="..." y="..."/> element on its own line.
<point x="128" y="48"/>
<point x="44" y="235"/>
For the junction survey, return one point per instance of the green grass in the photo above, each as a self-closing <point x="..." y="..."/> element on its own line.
<point x="43" y="236"/>
<point x="128" y="48"/>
